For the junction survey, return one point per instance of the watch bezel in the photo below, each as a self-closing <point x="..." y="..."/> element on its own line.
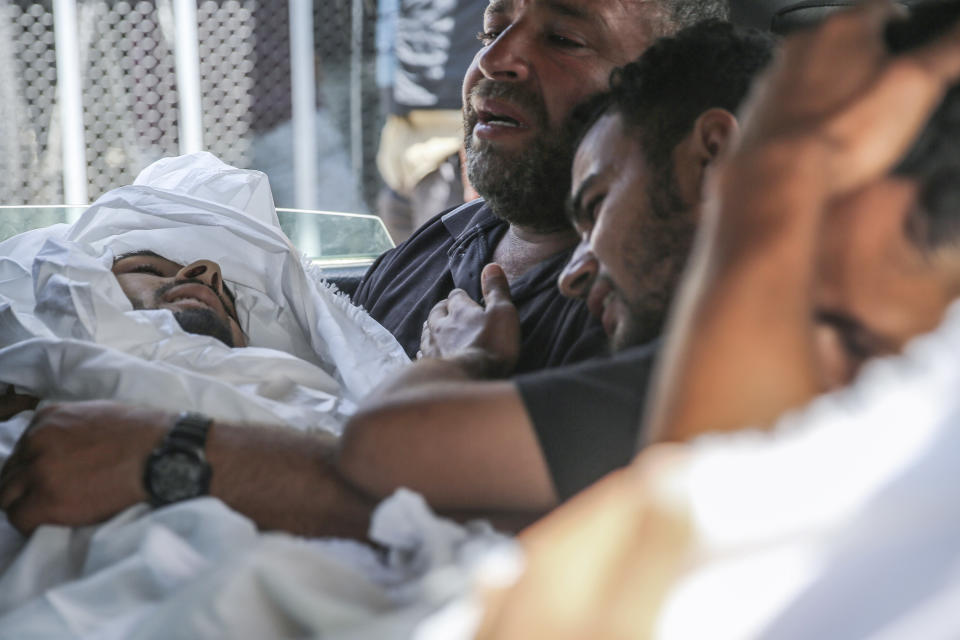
<point x="174" y="445"/>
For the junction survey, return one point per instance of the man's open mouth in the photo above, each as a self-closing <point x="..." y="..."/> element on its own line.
<point x="497" y="113"/>
<point x="498" y="119"/>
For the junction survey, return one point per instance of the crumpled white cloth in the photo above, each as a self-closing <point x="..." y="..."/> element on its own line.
<point x="844" y="522"/>
<point x="200" y="570"/>
<point x="67" y="331"/>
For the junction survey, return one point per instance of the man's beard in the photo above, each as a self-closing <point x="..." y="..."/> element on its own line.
<point x="526" y="188"/>
<point x="656" y="261"/>
<point x="204" y="322"/>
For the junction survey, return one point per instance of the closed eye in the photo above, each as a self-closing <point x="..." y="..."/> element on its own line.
<point x="565" y="42"/>
<point x="589" y="214"/>
<point x="145" y="268"/>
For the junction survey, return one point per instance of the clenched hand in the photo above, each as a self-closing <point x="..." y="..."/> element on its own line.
<point x="79" y="463"/>
<point x="487" y="336"/>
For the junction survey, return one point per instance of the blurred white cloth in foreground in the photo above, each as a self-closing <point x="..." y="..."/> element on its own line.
<point x="843" y="523"/>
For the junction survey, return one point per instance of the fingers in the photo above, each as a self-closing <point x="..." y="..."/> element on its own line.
<point x="427" y="343"/>
<point x="899" y="104"/>
<point x="493" y="283"/>
<point x="19" y="513"/>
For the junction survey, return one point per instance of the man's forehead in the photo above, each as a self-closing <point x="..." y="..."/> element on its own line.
<point x="592" y="10"/>
<point x="142" y="253"/>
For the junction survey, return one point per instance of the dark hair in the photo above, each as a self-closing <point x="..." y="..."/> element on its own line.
<point x="934" y="158"/>
<point x="676" y="15"/>
<point x="709" y="65"/>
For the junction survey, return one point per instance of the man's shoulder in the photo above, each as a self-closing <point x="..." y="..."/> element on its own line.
<point x="442" y="229"/>
<point x="424" y="253"/>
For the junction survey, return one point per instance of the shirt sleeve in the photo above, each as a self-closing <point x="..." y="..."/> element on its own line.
<point x="587" y="416"/>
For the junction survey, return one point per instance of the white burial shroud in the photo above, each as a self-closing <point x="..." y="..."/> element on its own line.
<point x="68" y="332"/>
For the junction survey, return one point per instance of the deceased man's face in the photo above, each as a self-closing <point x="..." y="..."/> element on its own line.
<point x="195" y="293"/>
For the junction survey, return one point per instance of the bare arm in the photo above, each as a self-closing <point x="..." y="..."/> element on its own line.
<point x="81" y="463"/>
<point x="463" y="444"/>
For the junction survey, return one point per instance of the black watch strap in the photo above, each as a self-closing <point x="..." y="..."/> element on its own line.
<point x="191" y="429"/>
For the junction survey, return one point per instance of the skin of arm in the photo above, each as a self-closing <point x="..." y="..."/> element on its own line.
<point x="281" y="478"/>
<point x="462" y="443"/>
<point x="284" y="479"/>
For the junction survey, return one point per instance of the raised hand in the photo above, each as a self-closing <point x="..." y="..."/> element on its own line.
<point x="488" y="335"/>
<point x="839" y="97"/>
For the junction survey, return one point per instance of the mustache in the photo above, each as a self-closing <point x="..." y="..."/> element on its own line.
<point x="162" y="291"/>
<point x="516" y="94"/>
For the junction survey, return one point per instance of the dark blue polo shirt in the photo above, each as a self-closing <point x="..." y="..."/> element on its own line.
<point x="449" y="252"/>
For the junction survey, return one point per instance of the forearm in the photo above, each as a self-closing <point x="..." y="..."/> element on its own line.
<point x="284" y="479"/>
<point x="465" y="445"/>
<point x="422" y="375"/>
<point x="739" y="349"/>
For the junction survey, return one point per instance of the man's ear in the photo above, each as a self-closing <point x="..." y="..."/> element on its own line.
<point x="713" y="132"/>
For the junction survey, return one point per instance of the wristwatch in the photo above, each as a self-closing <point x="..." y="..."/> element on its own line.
<point x="177" y="469"/>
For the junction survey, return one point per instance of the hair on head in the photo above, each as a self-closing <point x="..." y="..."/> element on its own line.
<point x="680" y="14"/>
<point x="660" y="95"/>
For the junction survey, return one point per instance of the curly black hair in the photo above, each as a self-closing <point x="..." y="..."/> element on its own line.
<point x="660" y="95"/>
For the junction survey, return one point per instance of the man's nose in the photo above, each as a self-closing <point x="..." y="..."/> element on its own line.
<point x="206" y="271"/>
<point x="506" y="58"/>
<point x="577" y="277"/>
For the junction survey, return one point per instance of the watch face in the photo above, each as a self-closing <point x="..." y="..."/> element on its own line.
<point x="177" y="475"/>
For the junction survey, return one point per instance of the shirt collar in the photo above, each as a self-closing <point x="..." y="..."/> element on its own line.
<point x="467" y="216"/>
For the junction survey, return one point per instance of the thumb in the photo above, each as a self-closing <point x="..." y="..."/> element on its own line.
<point x="494" y="285"/>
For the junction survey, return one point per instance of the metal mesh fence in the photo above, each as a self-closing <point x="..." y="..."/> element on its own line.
<point x="130" y="95"/>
